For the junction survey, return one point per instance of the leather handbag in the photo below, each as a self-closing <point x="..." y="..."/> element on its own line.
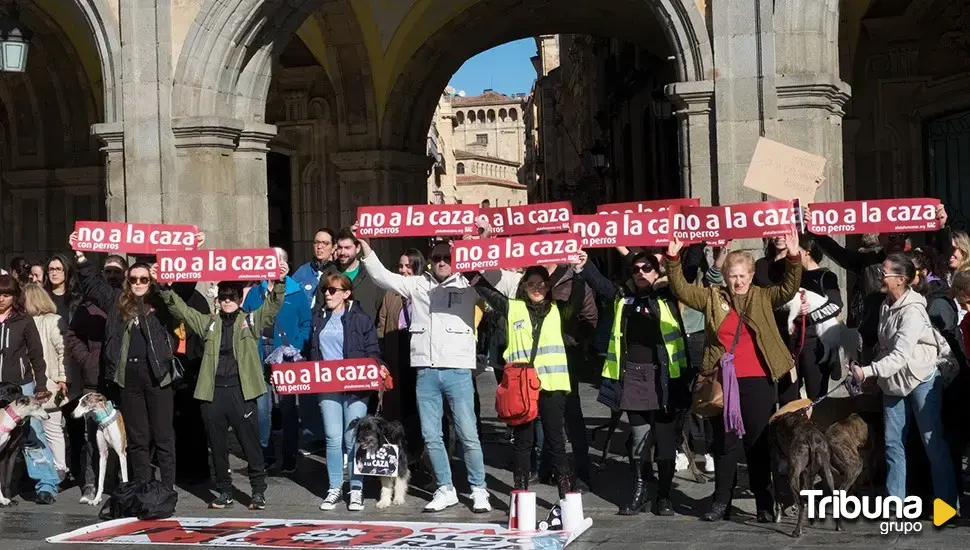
<point x="707" y="395"/>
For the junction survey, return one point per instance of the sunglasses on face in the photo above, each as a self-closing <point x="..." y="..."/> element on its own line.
<point x="438" y="259"/>
<point x="642" y="268"/>
<point x="331" y="290"/>
<point x="139" y="280"/>
<point x="535" y="285"/>
<point x="228" y="297"/>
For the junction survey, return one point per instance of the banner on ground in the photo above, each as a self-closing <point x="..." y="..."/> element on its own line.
<point x="255" y="264"/>
<point x="515" y="252"/>
<point x="627" y="229"/>
<point x="878" y="216"/>
<point x="417" y="220"/>
<point x="528" y="219"/>
<point x="644" y="206"/>
<point x="784" y="172"/>
<point x="133" y="238"/>
<point x="717" y="224"/>
<point x="326" y="376"/>
<point x="294" y="533"/>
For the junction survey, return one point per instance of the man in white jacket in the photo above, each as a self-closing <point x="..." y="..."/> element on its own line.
<point x="443" y="351"/>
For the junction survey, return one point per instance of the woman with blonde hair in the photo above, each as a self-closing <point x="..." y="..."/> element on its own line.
<point x="960" y="256"/>
<point x="40" y="306"/>
<point x="743" y="343"/>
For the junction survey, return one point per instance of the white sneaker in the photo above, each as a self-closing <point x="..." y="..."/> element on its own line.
<point x="480" y="503"/>
<point x="444" y="497"/>
<point x="334" y="496"/>
<point x="356" y="500"/>
<point x="681" y="463"/>
<point x="709" y="464"/>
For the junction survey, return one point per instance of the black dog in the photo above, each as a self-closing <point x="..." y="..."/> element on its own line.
<point x="806" y="451"/>
<point x="375" y="431"/>
<point x="9" y="393"/>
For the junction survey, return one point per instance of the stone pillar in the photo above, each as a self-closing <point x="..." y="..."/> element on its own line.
<point x="694" y="103"/>
<point x="252" y="207"/>
<point x="376" y="177"/>
<point x="112" y="136"/>
<point x="206" y="191"/>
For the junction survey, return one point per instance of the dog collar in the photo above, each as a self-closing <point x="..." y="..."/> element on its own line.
<point x="106" y="417"/>
<point x="10" y="421"/>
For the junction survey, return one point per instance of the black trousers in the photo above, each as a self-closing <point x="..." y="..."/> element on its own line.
<point x="700" y="432"/>
<point x="148" y="411"/>
<point x="757" y="396"/>
<point x="575" y="422"/>
<point x="810" y="373"/>
<point x="552" y="410"/>
<point x="82" y="446"/>
<point x="190" y="441"/>
<point x="229" y="409"/>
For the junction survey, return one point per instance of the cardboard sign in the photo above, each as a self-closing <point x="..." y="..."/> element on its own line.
<point x="515" y="252"/>
<point x="310" y="533"/>
<point x="628" y="229"/>
<point x="382" y="463"/>
<point x="784" y="172"/>
<point x="878" y="216"/>
<point x="529" y="219"/>
<point x="326" y="376"/>
<point x="256" y="264"/>
<point x="133" y="238"/>
<point x="645" y="206"/>
<point x="422" y="220"/>
<point x="718" y="224"/>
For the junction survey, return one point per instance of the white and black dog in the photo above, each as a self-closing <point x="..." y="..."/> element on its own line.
<point x="110" y="434"/>
<point x="17" y="412"/>
<point x="374" y="431"/>
<point x="838" y="342"/>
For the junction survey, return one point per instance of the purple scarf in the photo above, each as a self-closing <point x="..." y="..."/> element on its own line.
<point x="732" y="401"/>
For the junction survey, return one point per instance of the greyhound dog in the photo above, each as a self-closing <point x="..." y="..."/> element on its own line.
<point x="847" y="438"/>
<point x="11" y="434"/>
<point x="110" y="434"/>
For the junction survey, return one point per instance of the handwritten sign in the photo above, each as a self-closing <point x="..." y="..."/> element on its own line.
<point x="326" y="376"/>
<point x="878" y="216"/>
<point x="218" y="265"/>
<point x="784" y="172"/>
<point x="529" y="219"/>
<point x="422" y="220"/>
<point x="515" y="252"/>
<point x="133" y="238"/>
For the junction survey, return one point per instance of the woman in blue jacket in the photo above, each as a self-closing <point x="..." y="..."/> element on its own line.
<point x="341" y="330"/>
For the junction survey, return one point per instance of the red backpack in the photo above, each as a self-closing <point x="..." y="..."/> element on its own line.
<point x="517" y="397"/>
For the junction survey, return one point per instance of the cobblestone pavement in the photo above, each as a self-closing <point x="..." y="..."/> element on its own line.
<point x="297" y="497"/>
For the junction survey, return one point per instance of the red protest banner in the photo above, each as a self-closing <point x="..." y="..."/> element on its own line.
<point x="645" y="206"/>
<point x="718" y="224"/>
<point x="218" y="265"/>
<point x="878" y="216"/>
<point x="417" y="220"/>
<point x="326" y="376"/>
<point x="528" y="219"/>
<point x="628" y="229"/>
<point x="514" y="252"/>
<point x="133" y="238"/>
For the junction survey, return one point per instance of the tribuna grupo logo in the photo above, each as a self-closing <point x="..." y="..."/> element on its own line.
<point x="894" y="514"/>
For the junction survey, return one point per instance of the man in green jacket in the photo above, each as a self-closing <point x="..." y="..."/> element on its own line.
<point x="231" y="378"/>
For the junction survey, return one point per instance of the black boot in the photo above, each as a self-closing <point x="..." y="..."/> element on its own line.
<point x="564" y="482"/>
<point x="638" y="500"/>
<point x="719" y="511"/>
<point x="520" y="479"/>
<point x="665" y="471"/>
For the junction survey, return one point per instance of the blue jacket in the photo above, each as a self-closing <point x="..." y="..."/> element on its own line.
<point x="308" y="279"/>
<point x="294" y="319"/>
<point x="360" y="335"/>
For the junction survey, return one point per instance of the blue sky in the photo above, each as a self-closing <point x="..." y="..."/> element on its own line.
<point x="506" y="69"/>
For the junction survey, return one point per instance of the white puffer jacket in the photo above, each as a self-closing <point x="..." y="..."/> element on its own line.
<point x="908" y="351"/>
<point x="48" y="326"/>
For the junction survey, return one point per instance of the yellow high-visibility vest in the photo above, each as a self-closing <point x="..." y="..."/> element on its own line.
<point x="673" y="337"/>
<point x="550" y="363"/>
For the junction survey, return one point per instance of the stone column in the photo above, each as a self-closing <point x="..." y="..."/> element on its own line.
<point x="694" y="103"/>
<point x="206" y="174"/>
<point x="252" y="207"/>
<point x="377" y="177"/>
<point x="112" y="136"/>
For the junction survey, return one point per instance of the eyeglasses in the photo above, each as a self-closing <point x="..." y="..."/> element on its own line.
<point x="322" y="243"/>
<point x="444" y="258"/>
<point x="331" y="290"/>
<point x="139" y="280"/>
<point x="55" y="269"/>
<point x="535" y="285"/>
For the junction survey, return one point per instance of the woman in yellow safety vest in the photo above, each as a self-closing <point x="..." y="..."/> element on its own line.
<point x="535" y="330"/>
<point x="646" y="364"/>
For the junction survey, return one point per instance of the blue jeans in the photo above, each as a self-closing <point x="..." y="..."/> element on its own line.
<point x="925" y="402"/>
<point x="338" y="411"/>
<point x="455" y="385"/>
<point x="37" y="454"/>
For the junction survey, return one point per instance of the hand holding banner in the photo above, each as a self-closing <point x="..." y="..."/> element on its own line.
<point x="645" y="206"/>
<point x="529" y="219"/>
<point x="878" y="216"/>
<point x="515" y="252"/>
<point x="326" y="376"/>
<point x="627" y="229"/>
<point x="417" y="220"/>
<point x="219" y="265"/>
<point x="133" y="238"/>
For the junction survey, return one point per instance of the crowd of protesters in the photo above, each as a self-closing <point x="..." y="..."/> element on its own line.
<point x="68" y="327"/>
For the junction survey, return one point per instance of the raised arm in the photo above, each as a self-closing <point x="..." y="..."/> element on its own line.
<point x="692" y="296"/>
<point x="851" y="261"/>
<point x="590" y="274"/>
<point x="94" y="286"/>
<point x="265" y="315"/>
<point x="498" y="301"/>
<point x="194" y="320"/>
<point x="781" y="294"/>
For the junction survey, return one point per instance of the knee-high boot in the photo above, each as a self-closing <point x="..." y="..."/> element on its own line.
<point x="638" y="499"/>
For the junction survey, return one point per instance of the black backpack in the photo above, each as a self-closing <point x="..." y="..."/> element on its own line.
<point x="151" y="500"/>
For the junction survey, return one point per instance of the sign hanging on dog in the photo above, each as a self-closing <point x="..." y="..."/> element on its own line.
<point x="878" y="216"/>
<point x="219" y="265"/>
<point x="318" y="534"/>
<point x="133" y="238"/>
<point x="326" y="376"/>
<point x="383" y="462"/>
<point x="417" y="220"/>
